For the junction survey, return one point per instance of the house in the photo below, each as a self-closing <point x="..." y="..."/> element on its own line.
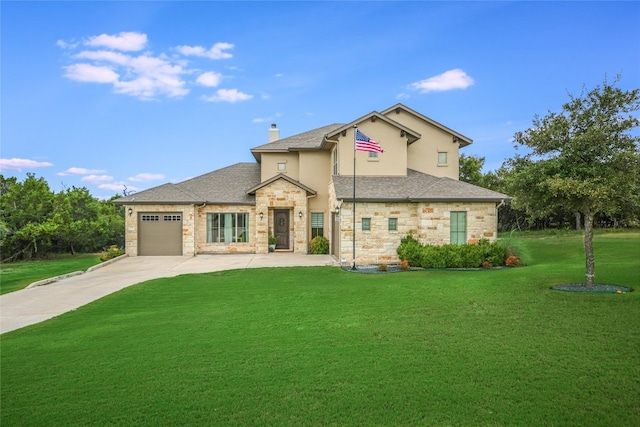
<point x="302" y="186"/>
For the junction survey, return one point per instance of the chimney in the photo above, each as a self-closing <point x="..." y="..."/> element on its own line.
<point x="274" y="133"/>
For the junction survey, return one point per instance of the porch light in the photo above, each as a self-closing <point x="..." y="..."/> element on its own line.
<point x="337" y="210"/>
<point x="261" y="215"/>
<point x="130" y="211"/>
<point x="300" y="214"/>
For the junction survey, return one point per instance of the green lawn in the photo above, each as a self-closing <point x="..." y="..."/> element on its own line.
<point x="18" y="275"/>
<point x="321" y="346"/>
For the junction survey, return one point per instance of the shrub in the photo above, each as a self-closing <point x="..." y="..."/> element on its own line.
<point x="404" y="265"/>
<point x="486" y="264"/>
<point x="513" y="261"/>
<point x="471" y="256"/>
<point x="319" y="245"/>
<point x="382" y="267"/>
<point x="111" y="252"/>
<point x="410" y="250"/>
<point x="433" y="257"/>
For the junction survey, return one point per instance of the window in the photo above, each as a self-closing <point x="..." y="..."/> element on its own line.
<point x="227" y="227"/>
<point x="442" y="158"/>
<point x="151" y="217"/>
<point x="282" y="166"/>
<point x="373" y="155"/>
<point x="393" y="224"/>
<point x="458" y="228"/>
<point x="366" y="224"/>
<point x="172" y="217"/>
<point x="335" y="161"/>
<point x="317" y="224"/>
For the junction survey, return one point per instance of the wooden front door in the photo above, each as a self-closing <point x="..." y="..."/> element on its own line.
<point x="281" y="228"/>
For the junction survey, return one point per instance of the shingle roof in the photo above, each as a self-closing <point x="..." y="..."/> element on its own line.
<point x="224" y="186"/>
<point x="415" y="187"/>
<point x="310" y="140"/>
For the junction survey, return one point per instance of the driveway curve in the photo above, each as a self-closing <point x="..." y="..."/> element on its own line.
<point x="36" y="304"/>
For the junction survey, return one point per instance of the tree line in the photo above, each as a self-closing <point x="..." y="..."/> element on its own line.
<point x="36" y="221"/>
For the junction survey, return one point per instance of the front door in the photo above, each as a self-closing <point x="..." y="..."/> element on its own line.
<point x="281" y="227"/>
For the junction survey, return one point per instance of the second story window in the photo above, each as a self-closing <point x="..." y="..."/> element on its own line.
<point x="373" y="155"/>
<point x="442" y="158"/>
<point x="282" y="167"/>
<point x="335" y="161"/>
<point x="366" y="224"/>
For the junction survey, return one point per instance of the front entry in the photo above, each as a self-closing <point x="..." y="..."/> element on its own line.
<point x="281" y="228"/>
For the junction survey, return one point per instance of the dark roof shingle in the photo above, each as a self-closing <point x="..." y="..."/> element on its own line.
<point x="414" y="187"/>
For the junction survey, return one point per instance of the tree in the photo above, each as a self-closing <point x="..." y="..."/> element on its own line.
<point x="470" y="169"/>
<point x="584" y="159"/>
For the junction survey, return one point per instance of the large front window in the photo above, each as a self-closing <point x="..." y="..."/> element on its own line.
<point x="227" y="227"/>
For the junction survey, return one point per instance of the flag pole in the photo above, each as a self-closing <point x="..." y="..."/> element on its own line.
<point x="353" y="236"/>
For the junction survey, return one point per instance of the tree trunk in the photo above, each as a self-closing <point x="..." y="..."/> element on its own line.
<point x="588" y="249"/>
<point x="578" y="216"/>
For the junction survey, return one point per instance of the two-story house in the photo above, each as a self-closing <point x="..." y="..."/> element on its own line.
<point x="302" y="186"/>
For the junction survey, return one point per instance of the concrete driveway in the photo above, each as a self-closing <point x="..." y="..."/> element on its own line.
<point x="36" y="304"/>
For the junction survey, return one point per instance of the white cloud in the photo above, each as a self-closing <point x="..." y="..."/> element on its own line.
<point x="66" y="45"/>
<point x="125" y="41"/>
<point x="111" y="59"/>
<point x="209" y="79"/>
<point x="228" y="95"/>
<point x="19" y="164"/>
<point x="266" y="119"/>
<point x="145" y="177"/>
<point x="80" y="171"/>
<point x="117" y="186"/>
<point x="449" y="80"/>
<point x="96" y="179"/>
<point x="216" y="51"/>
<point x="279" y="75"/>
<point x="91" y="73"/>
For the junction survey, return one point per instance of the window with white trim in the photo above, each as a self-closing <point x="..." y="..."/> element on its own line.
<point x="227" y="227"/>
<point x="335" y="161"/>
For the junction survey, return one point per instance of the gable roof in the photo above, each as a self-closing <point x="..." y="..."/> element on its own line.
<point x="415" y="187"/>
<point x="412" y="135"/>
<point x="253" y="190"/>
<point x="310" y="140"/>
<point x="463" y="140"/>
<point x="223" y="186"/>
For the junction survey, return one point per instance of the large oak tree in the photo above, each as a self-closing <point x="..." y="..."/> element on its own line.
<point x="584" y="158"/>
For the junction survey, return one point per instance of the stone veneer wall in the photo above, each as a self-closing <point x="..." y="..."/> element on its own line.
<point x="281" y="194"/>
<point x="203" y="247"/>
<point x="131" y="226"/>
<point x="430" y="223"/>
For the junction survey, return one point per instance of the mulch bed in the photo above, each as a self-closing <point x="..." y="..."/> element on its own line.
<point x="598" y="288"/>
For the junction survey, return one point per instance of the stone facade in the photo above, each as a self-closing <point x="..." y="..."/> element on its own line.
<point x="282" y="194"/>
<point x="188" y="226"/>
<point x="429" y="222"/>
<point x="204" y="247"/>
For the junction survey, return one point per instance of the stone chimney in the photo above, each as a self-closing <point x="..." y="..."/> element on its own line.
<point x="274" y="133"/>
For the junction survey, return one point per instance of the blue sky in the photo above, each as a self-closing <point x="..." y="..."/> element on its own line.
<point x="111" y="94"/>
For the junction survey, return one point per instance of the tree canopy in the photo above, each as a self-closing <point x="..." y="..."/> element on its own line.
<point x="35" y="221"/>
<point x="582" y="159"/>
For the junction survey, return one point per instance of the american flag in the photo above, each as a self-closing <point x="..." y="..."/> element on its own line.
<point x="364" y="143"/>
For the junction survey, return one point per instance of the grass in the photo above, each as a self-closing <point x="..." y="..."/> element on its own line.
<point x="320" y="346"/>
<point x="18" y="275"/>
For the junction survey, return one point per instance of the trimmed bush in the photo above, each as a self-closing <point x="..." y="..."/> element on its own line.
<point x="319" y="245"/>
<point x="484" y="254"/>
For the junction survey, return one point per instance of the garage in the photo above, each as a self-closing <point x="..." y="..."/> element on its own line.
<point x="159" y="233"/>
